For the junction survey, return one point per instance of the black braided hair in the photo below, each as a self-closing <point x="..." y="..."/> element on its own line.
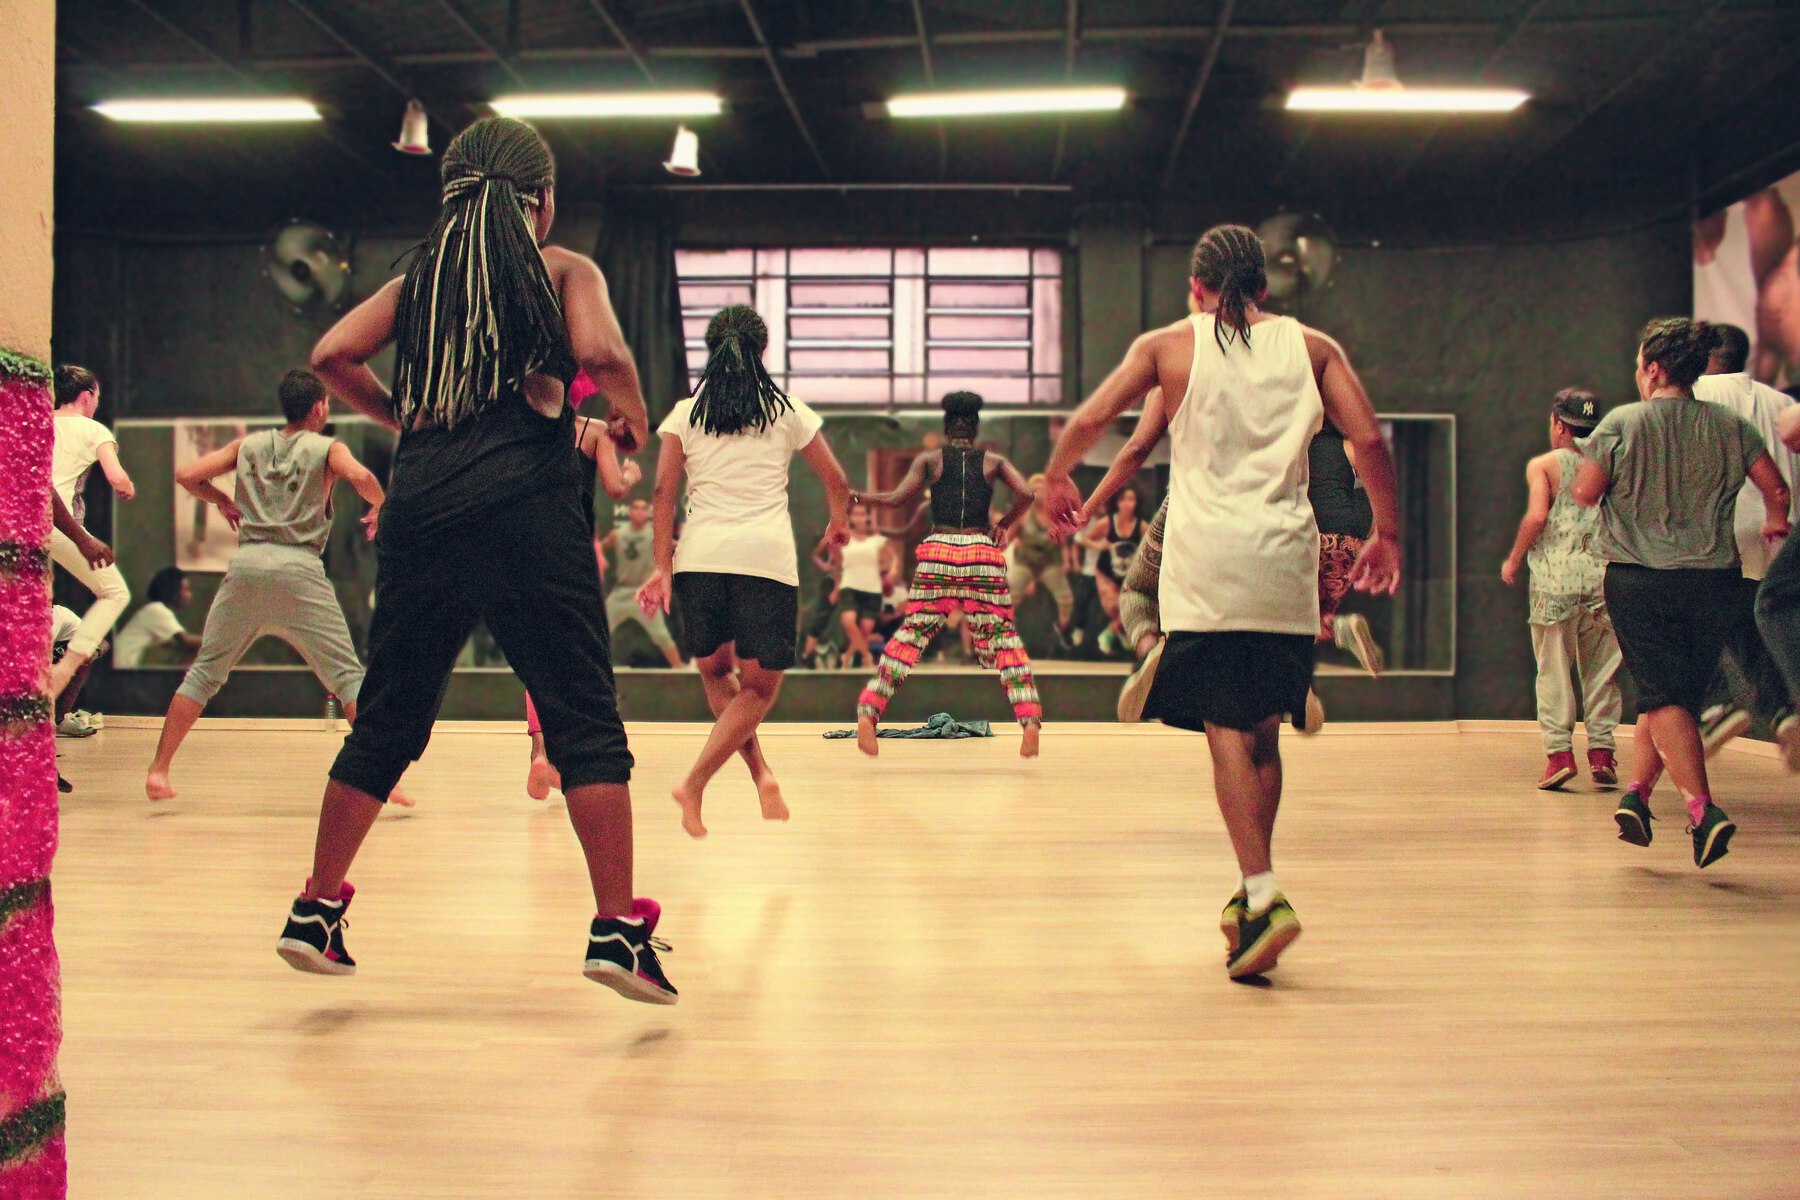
<point x="962" y="414"/>
<point x="1680" y="346"/>
<point x="735" y="392"/>
<point x="1229" y="260"/>
<point x="478" y="311"/>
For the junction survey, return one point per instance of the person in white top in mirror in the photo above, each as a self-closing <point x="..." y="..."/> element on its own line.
<point x="736" y="568"/>
<point x="1246" y="391"/>
<point x="871" y="568"/>
<point x="80" y="442"/>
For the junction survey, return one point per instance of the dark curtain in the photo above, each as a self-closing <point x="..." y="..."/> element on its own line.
<point x="636" y="252"/>
<point x="1412" y="478"/>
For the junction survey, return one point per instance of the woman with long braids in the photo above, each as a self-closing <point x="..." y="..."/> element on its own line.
<point x="961" y="569"/>
<point x="736" y="570"/>
<point x="483" y="522"/>
<point x="1245" y="391"/>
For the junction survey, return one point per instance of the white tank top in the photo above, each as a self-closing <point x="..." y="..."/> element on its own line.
<point x="1725" y="288"/>
<point x="1241" y="551"/>
<point x="862" y="565"/>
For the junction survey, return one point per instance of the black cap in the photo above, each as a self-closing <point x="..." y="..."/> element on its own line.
<point x="1577" y="408"/>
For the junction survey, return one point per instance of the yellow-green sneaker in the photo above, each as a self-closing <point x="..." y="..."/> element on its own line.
<point x="1228" y="920"/>
<point x="1262" y="937"/>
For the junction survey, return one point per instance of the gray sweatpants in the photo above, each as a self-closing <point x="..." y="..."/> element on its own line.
<point x="278" y="590"/>
<point x="1583" y="645"/>
<point x="622" y="606"/>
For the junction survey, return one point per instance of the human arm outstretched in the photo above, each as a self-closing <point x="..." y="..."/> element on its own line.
<point x="1531" y="525"/>
<point x="197" y="477"/>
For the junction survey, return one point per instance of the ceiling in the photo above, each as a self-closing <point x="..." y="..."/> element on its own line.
<point x="1641" y="106"/>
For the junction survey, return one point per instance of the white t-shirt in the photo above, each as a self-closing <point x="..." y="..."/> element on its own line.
<point x="152" y="625"/>
<point x="63" y="624"/>
<point x="737" y="495"/>
<point x="77" y="444"/>
<point x="1759" y="404"/>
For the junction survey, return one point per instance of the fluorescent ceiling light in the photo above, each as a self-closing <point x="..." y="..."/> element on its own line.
<point x="1405" y="100"/>
<point x="978" y="104"/>
<point x="222" y="109"/>
<point x="608" y="104"/>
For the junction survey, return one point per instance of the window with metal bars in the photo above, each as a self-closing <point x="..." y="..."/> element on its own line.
<point x="890" y="327"/>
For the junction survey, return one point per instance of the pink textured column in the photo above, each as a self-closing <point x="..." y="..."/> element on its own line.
<point x="33" y="1162"/>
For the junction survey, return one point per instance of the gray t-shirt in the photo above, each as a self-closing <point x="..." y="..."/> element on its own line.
<point x="635" y="553"/>
<point x="1675" y="466"/>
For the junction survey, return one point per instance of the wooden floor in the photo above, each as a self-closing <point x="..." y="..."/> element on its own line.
<point x="952" y="975"/>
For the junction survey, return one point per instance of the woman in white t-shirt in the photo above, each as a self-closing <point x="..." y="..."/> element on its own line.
<point x="155" y="626"/>
<point x="736" y="570"/>
<point x="81" y="442"/>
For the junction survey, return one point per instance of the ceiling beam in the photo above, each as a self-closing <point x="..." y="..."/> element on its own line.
<point x="1201" y="77"/>
<point x="465" y="21"/>
<point x="943" y="136"/>
<point x="387" y="72"/>
<point x="768" y="53"/>
<point x="1071" y="39"/>
<point x="623" y="36"/>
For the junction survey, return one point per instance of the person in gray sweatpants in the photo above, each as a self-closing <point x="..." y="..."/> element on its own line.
<point x="276" y="583"/>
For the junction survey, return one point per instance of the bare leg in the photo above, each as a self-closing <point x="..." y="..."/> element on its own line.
<point x="1647" y="763"/>
<point x="542" y="778"/>
<point x="601" y="815"/>
<point x="183" y="712"/>
<point x="1677" y="740"/>
<point x="1247" y="778"/>
<point x="345" y="818"/>
<point x="859" y="641"/>
<point x="735" y="725"/>
<point x="718" y="677"/>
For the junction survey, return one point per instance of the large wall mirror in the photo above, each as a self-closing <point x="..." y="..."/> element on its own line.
<point x="165" y="526"/>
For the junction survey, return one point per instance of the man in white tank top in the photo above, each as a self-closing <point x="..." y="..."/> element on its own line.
<point x="1241" y="552"/>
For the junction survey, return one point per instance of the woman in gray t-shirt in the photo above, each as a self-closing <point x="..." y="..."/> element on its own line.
<point x="1666" y="474"/>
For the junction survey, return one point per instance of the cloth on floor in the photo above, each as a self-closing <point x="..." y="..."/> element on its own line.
<point x="941" y="726"/>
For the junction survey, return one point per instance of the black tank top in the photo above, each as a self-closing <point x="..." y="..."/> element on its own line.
<point x="962" y="496"/>
<point x="1339" y="506"/>
<point x="508" y="455"/>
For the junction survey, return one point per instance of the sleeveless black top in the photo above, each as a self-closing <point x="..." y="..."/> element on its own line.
<point x="962" y="497"/>
<point x="1339" y="506"/>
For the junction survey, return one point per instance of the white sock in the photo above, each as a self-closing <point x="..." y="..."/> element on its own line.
<point x="1262" y="891"/>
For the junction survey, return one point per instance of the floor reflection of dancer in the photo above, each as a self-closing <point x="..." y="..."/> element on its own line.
<point x="595" y="441"/>
<point x="1239" y="584"/>
<point x="736" y="570"/>
<point x="1666" y="474"/>
<point x="871" y="566"/>
<point x="484" y="524"/>
<point x="276" y="584"/>
<point x="961" y="569"/>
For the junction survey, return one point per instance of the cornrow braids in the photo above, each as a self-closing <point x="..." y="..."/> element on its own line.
<point x="478" y="311"/>
<point x="1228" y="259"/>
<point x="1680" y="346"/>
<point x="735" y="392"/>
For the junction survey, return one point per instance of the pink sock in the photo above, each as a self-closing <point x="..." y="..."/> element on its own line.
<point x="1643" y="790"/>
<point x="1696" y="806"/>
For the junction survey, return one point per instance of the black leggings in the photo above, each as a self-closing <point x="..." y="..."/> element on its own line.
<point x="527" y="570"/>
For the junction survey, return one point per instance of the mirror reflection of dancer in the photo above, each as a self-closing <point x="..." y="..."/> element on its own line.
<point x="736" y="569"/>
<point x="276" y="584"/>
<point x="1666" y="474"/>
<point x="1239" y="584"/>
<point x="483" y="523"/>
<point x="79" y="443"/>
<point x="870" y="566"/>
<point x="960" y="569"/>
<point x="1116" y="532"/>
<point x="595" y="441"/>
<point x="1034" y="558"/>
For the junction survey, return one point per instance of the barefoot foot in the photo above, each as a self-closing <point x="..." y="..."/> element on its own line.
<point x="690" y="810"/>
<point x="157" y="786"/>
<point x="866" y="741"/>
<point x="774" y="808"/>
<point x="1028" y="742"/>
<point x="401" y="798"/>
<point x="541" y="779"/>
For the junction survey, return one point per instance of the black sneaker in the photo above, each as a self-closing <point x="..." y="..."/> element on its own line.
<point x="1711" y="836"/>
<point x="622" y="955"/>
<point x="313" y="939"/>
<point x="63" y="785"/>
<point x="1634" y="818"/>
<point x="1720" y="724"/>
<point x="1262" y="938"/>
<point x="1229" y="919"/>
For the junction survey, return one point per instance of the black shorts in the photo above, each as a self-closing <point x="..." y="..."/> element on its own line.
<point x="1237" y="680"/>
<point x="1672" y="626"/>
<point x="866" y="605"/>
<point x="760" y="615"/>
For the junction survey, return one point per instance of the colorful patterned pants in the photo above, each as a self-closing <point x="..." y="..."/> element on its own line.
<point x="997" y="646"/>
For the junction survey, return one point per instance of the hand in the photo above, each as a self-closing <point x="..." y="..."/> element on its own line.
<point x="632" y="473"/>
<point x="1509" y="572"/>
<point x="370" y="521"/>
<point x="653" y="597"/>
<point x="234" y="516"/>
<point x="1776" y="527"/>
<point x="837" y="533"/>
<point x="1002" y="534"/>
<point x="97" y="553"/>
<point x="1377" y="568"/>
<point x="619" y="430"/>
<point x="125" y="489"/>
<point x="1060" y="502"/>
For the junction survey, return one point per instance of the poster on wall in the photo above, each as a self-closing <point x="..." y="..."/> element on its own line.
<point x="204" y="539"/>
<point x="1747" y="273"/>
